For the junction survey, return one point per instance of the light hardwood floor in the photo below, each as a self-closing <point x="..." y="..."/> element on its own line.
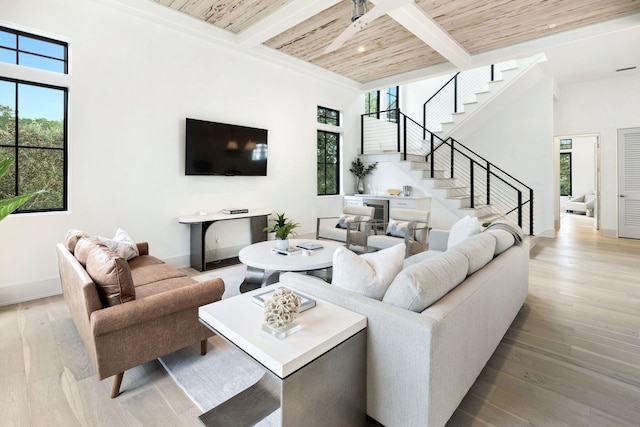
<point x="571" y="357"/>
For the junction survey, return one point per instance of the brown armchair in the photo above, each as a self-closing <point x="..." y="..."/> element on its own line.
<point x="161" y="319"/>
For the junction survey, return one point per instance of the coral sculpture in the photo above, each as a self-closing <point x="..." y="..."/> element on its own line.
<point x="282" y="308"/>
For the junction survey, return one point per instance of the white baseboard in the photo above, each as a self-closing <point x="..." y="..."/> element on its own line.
<point x="29" y="291"/>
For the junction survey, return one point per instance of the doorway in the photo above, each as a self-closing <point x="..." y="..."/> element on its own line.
<point x="578" y="173"/>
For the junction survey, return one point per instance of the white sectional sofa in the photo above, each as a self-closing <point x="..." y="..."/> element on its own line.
<point x="422" y="362"/>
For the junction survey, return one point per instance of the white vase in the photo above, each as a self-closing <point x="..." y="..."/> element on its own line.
<point x="282" y="244"/>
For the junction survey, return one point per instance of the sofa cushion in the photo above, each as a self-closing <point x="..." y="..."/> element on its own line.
<point x="111" y="275"/>
<point x="349" y="221"/>
<point x="421" y="256"/>
<point x="122" y="244"/>
<point x="72" y="238"/>
<point x="144" y="275"/>
<point x="397" y="228"/>
<point x="367" y="274"/>
<point x="144" y="260"/>
<point x="478" y="249"/>
<point x="504" y="240"/>
<point x="421" y="284"/>
<point x="465" y="227"/>
<point x="83" y="248"/>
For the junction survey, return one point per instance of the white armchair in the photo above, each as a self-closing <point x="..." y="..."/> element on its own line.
<point x="405" y="225"/>
<point x="580" y="203"/>
<point x="348" y="228"/>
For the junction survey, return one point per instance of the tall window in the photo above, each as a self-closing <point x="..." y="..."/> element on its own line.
<point x="328" y="152"/>
<point x="372" y="104"/>
<point x="33" y="122"/>
<point x="565" y="174"/>
<point x="392" y="104"/>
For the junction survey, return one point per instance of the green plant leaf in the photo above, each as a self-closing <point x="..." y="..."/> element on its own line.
<point x="9" y="205"/>
<point x="4" y="165"/>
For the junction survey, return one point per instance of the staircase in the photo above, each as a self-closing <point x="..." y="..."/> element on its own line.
<point x="459" y="178"/>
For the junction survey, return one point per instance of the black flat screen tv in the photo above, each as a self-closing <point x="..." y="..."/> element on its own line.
<point x="225" y="149"/>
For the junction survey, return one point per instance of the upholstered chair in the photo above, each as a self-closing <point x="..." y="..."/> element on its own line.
<point x="405" y="225"/>
<point x="348" y="228"/>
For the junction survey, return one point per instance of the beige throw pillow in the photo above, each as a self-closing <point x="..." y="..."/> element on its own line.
<point x="84" y="247"/>
<point x="111" y="275"/>
<point x="421" y="284"/>
<point x="478" y="249"/>
<point x="504" y="240"/>
<point x="368" y="274"/>
<point x="72" y="238"/>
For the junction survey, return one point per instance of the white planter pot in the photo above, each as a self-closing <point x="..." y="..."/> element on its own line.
<point x="282" y="244"/>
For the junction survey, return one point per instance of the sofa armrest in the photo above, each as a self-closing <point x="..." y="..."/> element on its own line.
<point x="153" y="307"/>
<point x="438" y="239"/>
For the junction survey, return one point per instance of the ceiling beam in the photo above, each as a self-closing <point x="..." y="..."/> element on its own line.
<point x="286" y="17"/>
<point x="414" y="19"/>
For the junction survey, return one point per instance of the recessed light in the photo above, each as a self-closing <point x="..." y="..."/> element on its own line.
<point x="626" y="69"/>
<point x="361" y="49"/>
<point x="551" y="26"/>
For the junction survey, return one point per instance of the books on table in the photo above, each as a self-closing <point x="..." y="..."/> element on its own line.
<point x="288" y="251"/>
<point x="233" y="211"/>
<point x="306" y="303"/>
<point x="310" y="246"/>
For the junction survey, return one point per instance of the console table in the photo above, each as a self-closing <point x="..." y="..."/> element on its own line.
<point x="200" y="223"/>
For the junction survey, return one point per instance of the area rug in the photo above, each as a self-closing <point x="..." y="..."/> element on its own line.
<point x="224" y="371"/>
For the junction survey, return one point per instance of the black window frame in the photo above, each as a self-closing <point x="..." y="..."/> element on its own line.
<point x="392" y="114"/>
<point x="328" y="116"/>
<point x="17" y="50"/>
<point x="570" y="174"/>
<point x="325" y="164"/>
<point x="372" y="107"/>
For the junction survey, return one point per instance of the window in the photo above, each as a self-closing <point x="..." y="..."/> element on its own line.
<point x="33" y="123"/>
<point x="392" y="104"/>
<point x="29" y="50"/>
<point x="376" y="106"/>
<point x="328" y="152"/>
<point x="328" y="116"/>
<point x="565" y="144"/>
<point x="565" y="174"/>
<point x="372" y="104"/>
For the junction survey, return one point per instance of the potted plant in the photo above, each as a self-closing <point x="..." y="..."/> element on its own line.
<point x="283" y="228"/>
<point x="360" y="171"/>
<point x="9" y="205"/>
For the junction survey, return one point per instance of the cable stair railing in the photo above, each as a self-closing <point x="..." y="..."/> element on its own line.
<point x="481" y="187"/>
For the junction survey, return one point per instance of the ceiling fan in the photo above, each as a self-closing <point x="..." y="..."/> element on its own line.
<point x="361" y="18"/>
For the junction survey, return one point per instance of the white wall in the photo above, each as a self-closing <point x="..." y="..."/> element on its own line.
<point x="132" y="83"/>
<point x="601" y="107"/>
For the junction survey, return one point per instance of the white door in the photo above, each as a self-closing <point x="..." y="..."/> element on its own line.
<point x="629" y="183"/>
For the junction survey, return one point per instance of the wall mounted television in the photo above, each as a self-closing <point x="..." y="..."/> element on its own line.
<point x="224" y="149"/>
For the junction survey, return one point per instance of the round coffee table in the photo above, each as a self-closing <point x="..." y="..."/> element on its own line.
<point x="264" y="266"/>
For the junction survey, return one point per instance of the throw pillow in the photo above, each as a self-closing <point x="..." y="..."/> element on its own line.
<point x="422" y="284"/>
<point x="478" y="249"/>
<point x="368" y="274"/>
<point x="397" y="228"/>
<point x="348" y="221"/>
<point x="504" y="240"/>
<point x="111" y="275"/>
<point x="84" y="246"/>
<point x="122" y="244"/>
<point x="72" y="238"/>
<point x="462" y="229"/>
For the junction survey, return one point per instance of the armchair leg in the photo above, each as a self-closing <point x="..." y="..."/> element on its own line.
<point x="203" y="347"/>
<point x="117" y="381"/>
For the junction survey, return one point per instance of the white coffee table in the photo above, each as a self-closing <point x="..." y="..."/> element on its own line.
<point x="264" y="266"/>
<point x="316" y="376"/>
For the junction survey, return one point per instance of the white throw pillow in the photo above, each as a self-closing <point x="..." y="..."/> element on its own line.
<point x="122" y="244"/>
<point x="465" y="227"/>
<point x="349" y="221"/>
<point x="397" y="228"/>
<point x="423" y="283"/>
<point x="368" y="274"/>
